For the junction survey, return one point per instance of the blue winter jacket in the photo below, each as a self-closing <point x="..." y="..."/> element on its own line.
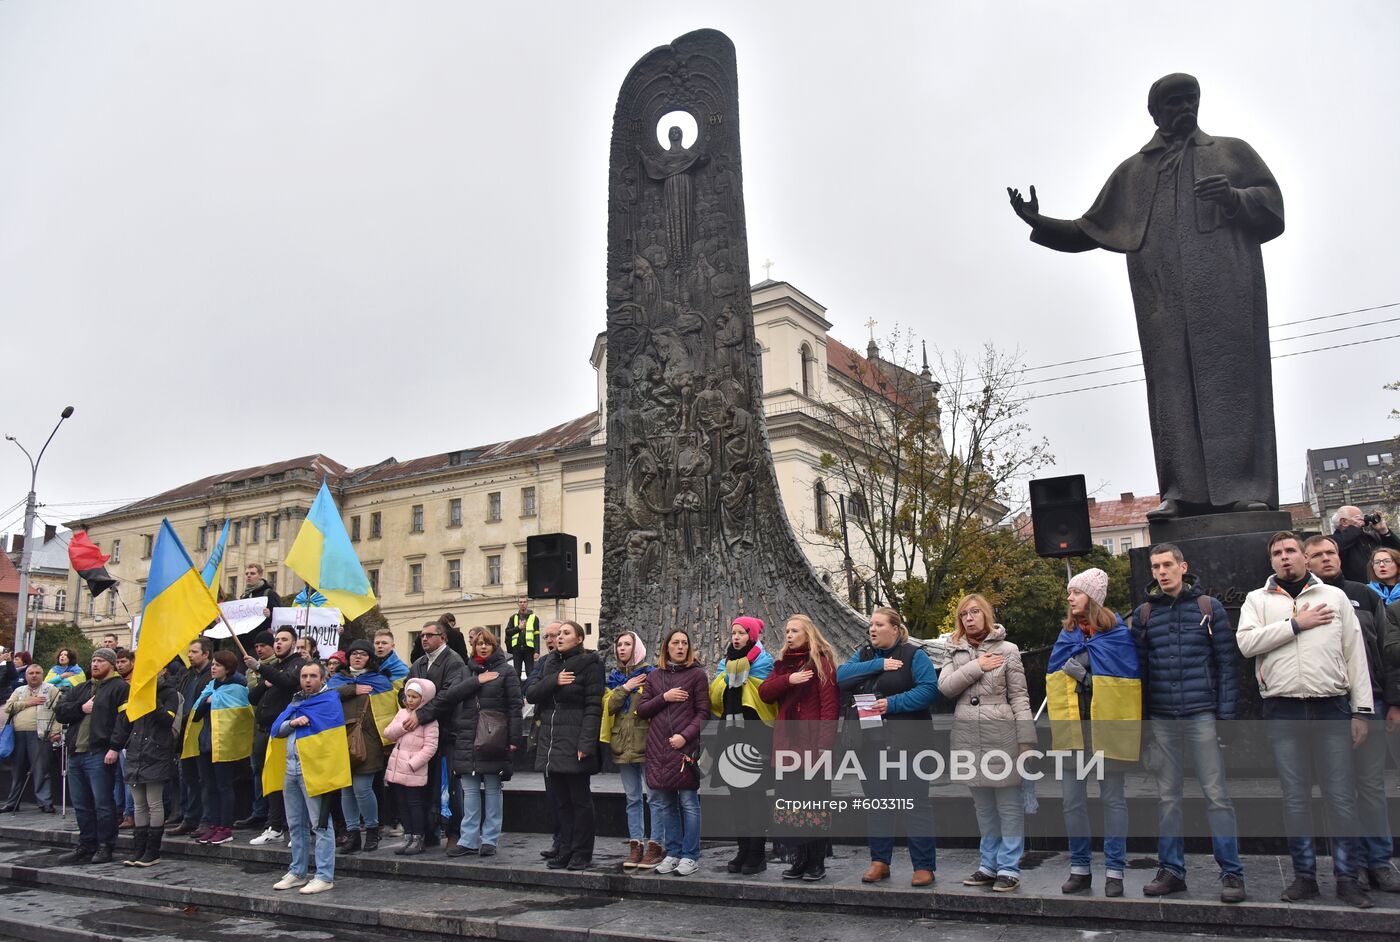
<point x="1189" y="668"/>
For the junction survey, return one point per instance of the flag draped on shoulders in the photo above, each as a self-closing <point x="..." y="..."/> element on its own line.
<point x="383" y="697"/>
<point x="324" y="557"/>
<point x="394" y="668"/>
<point x="748" y="672"/>
<point x="178" y="607"/>
<point x="230" y="720"/>
<point x="1115" y="705"/>
<point x="322" y="749"/>
<point x="65" y="677"/>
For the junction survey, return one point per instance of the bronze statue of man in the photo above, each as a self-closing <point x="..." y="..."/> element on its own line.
<point x="1191" y="211"/>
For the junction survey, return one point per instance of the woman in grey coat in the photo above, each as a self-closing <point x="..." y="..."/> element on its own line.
<point x="993" y="722"/>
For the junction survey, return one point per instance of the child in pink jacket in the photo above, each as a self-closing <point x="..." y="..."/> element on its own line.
<point x="407" y="768"/>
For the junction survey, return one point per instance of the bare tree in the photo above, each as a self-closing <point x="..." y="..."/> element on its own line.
<point x="930" y="469"/>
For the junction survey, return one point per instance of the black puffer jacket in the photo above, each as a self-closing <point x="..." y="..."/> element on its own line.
<point x="150" y="741"/>
<point x="279" y="682"/>
<point x="107" y="697"/>
<point x="569" y="715"/>
<point x="471" y="697"/>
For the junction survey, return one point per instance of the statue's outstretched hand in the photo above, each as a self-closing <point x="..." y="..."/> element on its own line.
<point x="1028" y="211"/>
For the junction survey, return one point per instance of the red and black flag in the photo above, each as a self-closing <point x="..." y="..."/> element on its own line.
<point x="89" y="563"/>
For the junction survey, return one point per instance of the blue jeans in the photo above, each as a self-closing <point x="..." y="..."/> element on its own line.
<point x="90" y="787"/>
<point x="1174" y="737"/>
<point x="304" y="816"/>
<point x="634" y="784"/>
<point x="917" y="824"/>
<point x="1314" y="735"/>
<point x="1371" y="810"/>
<point x="359" y="803"/>
<point x="1115" y="821"/>
<point x="680" y="820"/>
<point x="478" y="828"/>
<point x="1001" y="820"/>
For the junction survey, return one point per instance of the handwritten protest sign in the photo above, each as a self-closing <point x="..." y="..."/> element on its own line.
<point x="321" y="625"/>
<point x="244" y="615"/>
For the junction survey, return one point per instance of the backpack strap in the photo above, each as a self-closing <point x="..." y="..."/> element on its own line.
<point x="1207" y="613"/>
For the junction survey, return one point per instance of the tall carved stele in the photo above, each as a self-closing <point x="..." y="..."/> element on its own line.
<point x="694" y="532"/>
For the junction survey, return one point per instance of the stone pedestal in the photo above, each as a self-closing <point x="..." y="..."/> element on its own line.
<point x="1229" y="556"/>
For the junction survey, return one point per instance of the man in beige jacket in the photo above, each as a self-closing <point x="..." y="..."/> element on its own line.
<point x="30" y="710"/>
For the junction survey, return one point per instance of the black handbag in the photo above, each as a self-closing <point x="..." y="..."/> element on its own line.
<point x="492" y="734"/>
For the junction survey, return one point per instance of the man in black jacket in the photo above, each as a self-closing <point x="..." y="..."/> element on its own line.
<point x="90" y="711"/>
<point x="1368" y="758"/>
<point x="1357" y="540"/>
<point x="192" y="810"/>
<point x="278" y="680"/>
<point x="445" y="669"/>
<point x="257" y="586"/>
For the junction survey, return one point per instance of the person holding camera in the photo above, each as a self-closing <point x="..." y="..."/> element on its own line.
<point x="1358" y="536"/>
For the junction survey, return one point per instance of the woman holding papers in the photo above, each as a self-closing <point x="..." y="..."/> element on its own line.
<point x="225" y="739"/>
<point x="892" y="684"/>
<point x="993" y="722"/>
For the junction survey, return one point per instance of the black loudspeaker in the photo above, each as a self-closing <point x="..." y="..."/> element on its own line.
<point x="551" y="566"/>
<point x="1060" y="515"/>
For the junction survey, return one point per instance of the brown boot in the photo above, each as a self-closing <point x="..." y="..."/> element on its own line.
<point x="127" y="823"/>
<point x="652" y="856"/>
<point x="922" y="878"/>
<point x="634" y="855"/>
<point x="878" y="871"/>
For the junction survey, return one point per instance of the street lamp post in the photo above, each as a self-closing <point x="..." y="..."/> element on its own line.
<point x="847" y="563"/>
<point x="27" y="551"/>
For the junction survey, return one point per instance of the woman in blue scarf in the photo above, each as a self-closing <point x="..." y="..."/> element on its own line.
<point x="1384" y="570"/>
<point x="626" y="733"/>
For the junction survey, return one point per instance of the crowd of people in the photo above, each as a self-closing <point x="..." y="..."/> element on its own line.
<point x="430" y="744"/>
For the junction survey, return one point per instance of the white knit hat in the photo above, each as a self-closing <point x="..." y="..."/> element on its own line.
<point x="1093" y="583"/>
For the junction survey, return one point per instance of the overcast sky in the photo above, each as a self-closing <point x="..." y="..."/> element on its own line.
<point x="233" y="233"/>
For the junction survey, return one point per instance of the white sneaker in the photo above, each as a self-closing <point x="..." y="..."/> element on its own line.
<point x="317" y="886"/>
<point x="270" y="836"/>
<point x="667" y="865"/>
<point x="683" y="869"/>
<point x="395" y="831"/>
<point x="290" y="881"/>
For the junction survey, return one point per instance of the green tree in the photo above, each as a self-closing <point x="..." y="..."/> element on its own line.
<point x="50" y="639"/>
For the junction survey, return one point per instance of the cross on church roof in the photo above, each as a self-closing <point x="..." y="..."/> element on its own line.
<point x="767" y="269"/>
<point x="871" y="324"/>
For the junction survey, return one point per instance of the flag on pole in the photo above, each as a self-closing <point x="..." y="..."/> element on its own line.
<point x="215" y="564"/>
<point x="178" y="607"/>
<point x="323" y="556"/>
<point x="89" y="563"/>
<point x="309" y="598"/>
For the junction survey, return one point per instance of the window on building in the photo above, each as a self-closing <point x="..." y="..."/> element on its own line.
<point x="417" y="524"/>
<point x="454" y="573"/>
<point x="255" y="530"/>
<point x="36" y="600"/>
<point x="276" y="533"/>
<point x="1329" y="465"/>
<point x="807" y="375"/>
<point x="235" y="536"/>
<point x="493" y="570"/>
<point x="493" y="506"/>
<point x="355" y="529"/>
<point x="454" y="459"/>
<point x="1343" y="464"/>
<point x="1387" y="457"/>
<point x="271" y="577"/>
<point x="1125" y="544"/>
<point x="146" y="542"/>
<point x="819" y="505"/>
<point x="60" y="600"/>
<point x="116" y="551"/>
<point x="112" y="600"/>
<point x="1373" y="460"/>
<point x="233" y="587"/>
<point x="373" y="575"/>
<point x="527" y="502"/>
<point x="855" y="505"/>
<point x="203" y="538"/>
<point x="454" y="512"/>
<point x="374" y="526"/>
<point x="92" y="604"/>
<point x="415" y="577"/>
<point x="524" y="567"/>
<point x="1107" y="543"/>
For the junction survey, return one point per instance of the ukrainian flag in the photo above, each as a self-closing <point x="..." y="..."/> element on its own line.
<point x="323" y="556"/>
<point x="1115" y="708"/>
<point x="394" y="668"/>
<point x="215" y="563"/>
<point x="65" y="677"/>
<point x="383" y="697"/>
<point x="754" y="673"/>
<point x="322" y="747"/>
<point x="178" y="607"/>
<point x="230" y="721"/>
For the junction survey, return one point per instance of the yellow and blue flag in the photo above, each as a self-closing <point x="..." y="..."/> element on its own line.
<point x="230" y="720"/>
<point x="323" y="556"/>
<point x="383" y="697"/>
<point x="1115" y="709"/>
<point x="215" y="563"/>
<point x="394" y="668"/>
<point x="322" y="748"/>
<point x="177" y="608"/>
